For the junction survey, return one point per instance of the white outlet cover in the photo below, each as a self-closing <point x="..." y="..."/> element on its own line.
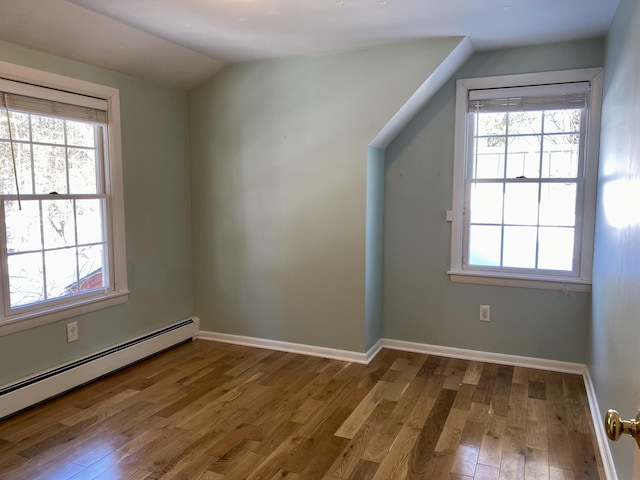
<point x="72" y="332"/>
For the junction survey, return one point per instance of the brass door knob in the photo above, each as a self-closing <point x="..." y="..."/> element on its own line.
<point x="616" y="427"/>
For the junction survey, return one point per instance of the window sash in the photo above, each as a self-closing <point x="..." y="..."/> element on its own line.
<point x="577" y="228"/>
<point x="471" y="156"/>
<point x="107" y="255"/>
<point x="565" y="96"/>
<point x="83" y="113"/>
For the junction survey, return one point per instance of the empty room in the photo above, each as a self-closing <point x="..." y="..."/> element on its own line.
<point x="333" y="239"/>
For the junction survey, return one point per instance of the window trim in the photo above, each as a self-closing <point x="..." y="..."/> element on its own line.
<point x="580" y="283"/>
<point x="115" y="191"/>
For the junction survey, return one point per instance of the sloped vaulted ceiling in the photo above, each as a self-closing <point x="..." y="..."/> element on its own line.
<point x="183" y="42"/>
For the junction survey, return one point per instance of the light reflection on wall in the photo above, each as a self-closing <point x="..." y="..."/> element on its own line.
<point x="621" y="201"/>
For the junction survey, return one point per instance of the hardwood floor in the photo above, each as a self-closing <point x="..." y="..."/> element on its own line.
<point x="208" y="411"/>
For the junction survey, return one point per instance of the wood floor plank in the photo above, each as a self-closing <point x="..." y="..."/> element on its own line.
<point x="396" y="463"/>
<point x="512" y="467"/>
<point x="574" y="391"/>
<point x="519" y="395"/>
<point x="466" y="460"/>
<point x="472" y="434"/>
<point x="377" y="450"/>
<point x="455" y="372"/>
<point x="431" y="432"/>
<point x="520" y="375"/>
<point x="473" y="373"/>
<point x="556" y="473"/>
<point x="536" y="465"/>
<point x="517" y="417"/>
<point x="585" y="464"/>
<point x="352" y="454"/>
<point x="502" y="390"/>
<point x="365" y="470"/>
<point x="515" y="440"/>
<point x="491" y="447"/>
<point x="465" y="396"/>
<point x="558" y="433"/>
<point x="211" y="411"/>
<point x="452" y="431"/>
<point x="485" y="472"/>
<point x="404" y="407"/>
<point x="554" y="388"/>
<point x="357" y="418"/>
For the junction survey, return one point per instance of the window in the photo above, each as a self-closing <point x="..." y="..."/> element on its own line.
<point x="61" y="212"/>
<point x="525" y="179"/>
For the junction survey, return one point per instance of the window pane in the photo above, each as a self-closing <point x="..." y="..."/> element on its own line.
<point x="58" y="223"/>
<point x="92" y="271"/>
<point x="556" y="248"/>
<point x="486" y="203"/>
<point x="22" y="153"/>
<point x="519" y="247"/>
<point x="89" y="221"/>
<point x="489" y="158"/>
<point x="82" y="171"/>
<point x="491" y="123"/>
<point x="521" y="204"/>
<point x="484" y="245"/>
<point x="525" y="122"/>
<point x="61" y="272"/>
<point x="47" y="129"/>
<point x="523" y="156"/>
<point x="19" y="126"/>
<point x="26" y="280"/>
<point x="558" y="204"/>
<point x="80" y="134"/>
<point x="562" y="121"/>
<point x="23" y="226"/>
<point x="50" y="169"/>
<point x="4" y="129"/>
<point x="560" y="158"/>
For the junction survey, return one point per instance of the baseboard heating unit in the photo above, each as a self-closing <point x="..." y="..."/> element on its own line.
<point x="44" y="385"/>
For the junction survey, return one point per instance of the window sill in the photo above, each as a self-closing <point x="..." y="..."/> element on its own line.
<point x="29" y="320"/>
<point x="564" y="284"/>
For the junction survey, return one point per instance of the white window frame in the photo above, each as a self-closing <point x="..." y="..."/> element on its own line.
<point x="582" y="281"/>
<point x="119" y="292"/>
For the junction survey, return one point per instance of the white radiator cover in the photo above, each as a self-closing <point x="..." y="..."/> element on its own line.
<point x="44" y="385"/>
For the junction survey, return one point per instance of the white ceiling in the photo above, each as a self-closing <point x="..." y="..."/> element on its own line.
<point x="183" y="42"/>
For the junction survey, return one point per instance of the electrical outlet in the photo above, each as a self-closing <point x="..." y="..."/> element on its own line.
<point x="485" y="313"/>
<point x="72" y="332"/>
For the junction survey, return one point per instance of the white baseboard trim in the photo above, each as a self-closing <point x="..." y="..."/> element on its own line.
<point x="290" y="347"/>
<point x="502" y="358"/>
<point x="365" y="358"/>
<point x="36" y="388"/>
<point x="373" y="351"/>
<point x="598" y="425"/>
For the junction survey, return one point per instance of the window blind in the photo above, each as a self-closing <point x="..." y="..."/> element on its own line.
<point x="548" y="97"/>
<point x="33" y="99"/>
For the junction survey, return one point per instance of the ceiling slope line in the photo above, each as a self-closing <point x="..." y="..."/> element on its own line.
<point x="458" y="56"/>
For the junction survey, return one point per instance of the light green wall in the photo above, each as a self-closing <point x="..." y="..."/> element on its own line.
<point x="279" y="167"/>
<point x="420" y="304"/>
<point x="157" y="210"/>
<point x="374" y="246"/>
<point x="615" y="334"/>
